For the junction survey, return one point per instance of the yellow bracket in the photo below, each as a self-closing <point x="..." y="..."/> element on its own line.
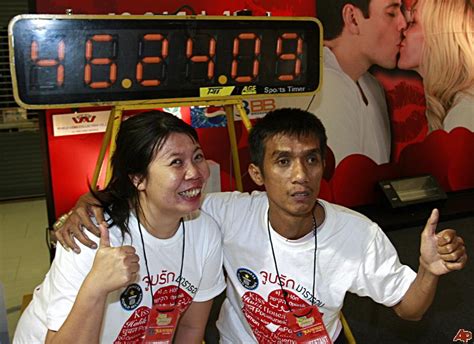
<point x="347" y="330"/>
<point x="115" y="119"/>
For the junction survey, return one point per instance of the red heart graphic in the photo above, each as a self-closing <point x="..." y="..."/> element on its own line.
<point x="267" y="318"/>
<point x="134" y="328"/>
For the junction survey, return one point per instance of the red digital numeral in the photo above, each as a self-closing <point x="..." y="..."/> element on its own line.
<point x="57" y="62"/>
<point x="157" y="59"/>
<point x="285" y="56"/>
<point x="91" y="60"/>
<point x="209" y="58"/>
<point x="235" y="54"/>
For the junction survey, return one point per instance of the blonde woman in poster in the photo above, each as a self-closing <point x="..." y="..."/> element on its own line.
<point x="439" y="45"/>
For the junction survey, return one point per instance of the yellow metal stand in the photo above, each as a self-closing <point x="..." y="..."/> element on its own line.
<point x="347" y="330"/>
<point x="113" y="125"/>
<point x="115" y="120"/>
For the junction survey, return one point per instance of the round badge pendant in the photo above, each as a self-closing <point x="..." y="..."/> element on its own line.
<point x="131" y="297"/>
<point x="247" y="278"/>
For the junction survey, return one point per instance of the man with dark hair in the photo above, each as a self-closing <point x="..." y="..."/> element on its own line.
<point x="291" y="257"/>
<point x="357" y="35"/>
<point x="330" y="15"/>
<point x="282" y="122"/>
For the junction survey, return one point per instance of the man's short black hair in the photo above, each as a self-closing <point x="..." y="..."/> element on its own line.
<point x="287" y="121"/>
<point x="329" y="12"/>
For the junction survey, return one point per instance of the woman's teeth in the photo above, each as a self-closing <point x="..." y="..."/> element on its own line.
<point x="190" y="193"/>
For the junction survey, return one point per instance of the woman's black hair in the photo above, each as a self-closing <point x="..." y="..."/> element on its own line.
<point x="139" y="139"/>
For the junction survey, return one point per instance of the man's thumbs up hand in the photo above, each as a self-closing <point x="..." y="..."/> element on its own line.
<point x="442" y="252"/>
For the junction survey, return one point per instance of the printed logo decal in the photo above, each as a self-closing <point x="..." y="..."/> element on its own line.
<point x="463" y="336"/>
<point x="131" y="297"/>
<point x="247" y="278"/>
<point x="221" y="91"/>
<point x="83" y="117"/>
<point x="251" y="89"/>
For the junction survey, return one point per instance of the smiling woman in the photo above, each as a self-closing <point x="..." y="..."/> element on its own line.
<point x="159" y="258"/>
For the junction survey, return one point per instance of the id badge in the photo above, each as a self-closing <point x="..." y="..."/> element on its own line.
<point x="161" y="325"/>
<point x="307" y="326"/>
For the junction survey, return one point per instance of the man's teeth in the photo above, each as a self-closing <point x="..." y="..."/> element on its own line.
<point x="190" y="193"/>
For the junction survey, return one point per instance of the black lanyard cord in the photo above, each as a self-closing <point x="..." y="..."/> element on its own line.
<point x="315" y="232"/>
<point x="146" y="260"/>
<point x="182" y="261"/>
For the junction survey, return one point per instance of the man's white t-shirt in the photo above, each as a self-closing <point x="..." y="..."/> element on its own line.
<point x="353" y="255"/>
<point x="127" y="309"/>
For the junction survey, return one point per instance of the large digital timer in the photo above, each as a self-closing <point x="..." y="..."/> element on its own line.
<point x="81" y="60"/>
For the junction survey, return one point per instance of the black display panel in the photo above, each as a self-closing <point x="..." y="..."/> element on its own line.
<point x="413" y="190"/>
<point x="81" y="60"/>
